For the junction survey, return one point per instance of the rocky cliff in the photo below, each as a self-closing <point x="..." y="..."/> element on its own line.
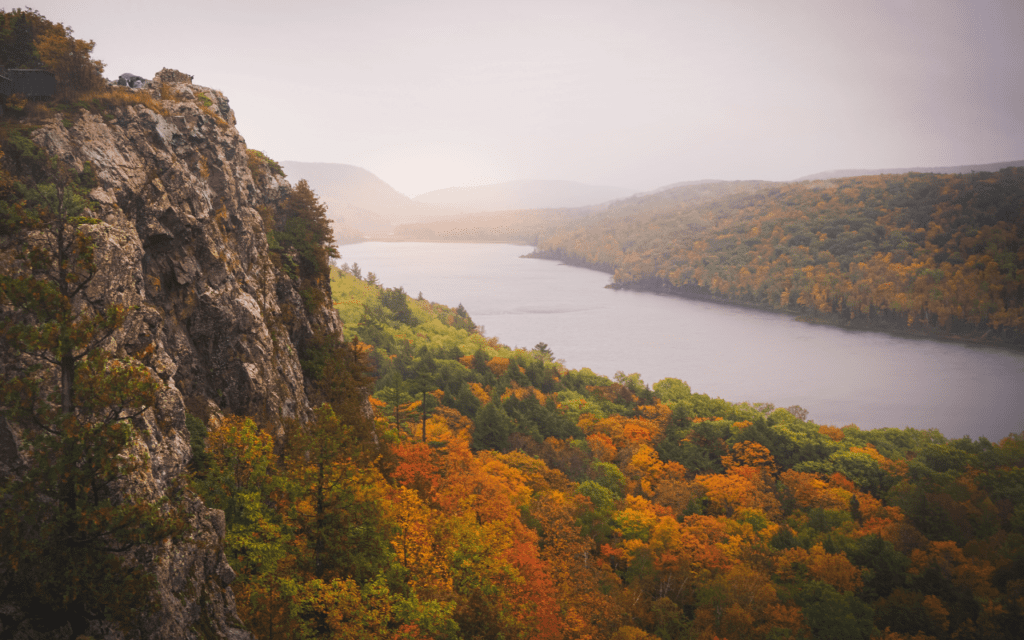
<point x="181" y="242"/>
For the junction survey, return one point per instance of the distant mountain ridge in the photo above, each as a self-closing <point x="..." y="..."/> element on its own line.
<point x="356" y="185"/>
<point x="361" y="205"/>
<point x="967" y="168"/>
<point x="358" y="203"/>
<point x="523" y="194"/>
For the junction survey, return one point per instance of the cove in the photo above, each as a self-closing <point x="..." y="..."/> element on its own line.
<point x="839" y="376"/>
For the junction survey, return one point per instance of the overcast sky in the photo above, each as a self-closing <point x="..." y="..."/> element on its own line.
<point x="637" y="94"/>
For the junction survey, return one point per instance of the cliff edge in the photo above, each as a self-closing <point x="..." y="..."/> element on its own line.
<point x="181" y="242"/>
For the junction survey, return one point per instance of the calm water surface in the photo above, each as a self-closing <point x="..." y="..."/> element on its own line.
<point x="841" y="377"/>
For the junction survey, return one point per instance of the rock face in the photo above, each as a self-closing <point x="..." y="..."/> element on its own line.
<point x="182" y="242"/>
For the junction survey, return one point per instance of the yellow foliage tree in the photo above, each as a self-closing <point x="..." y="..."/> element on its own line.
<point x="70" y="61"/>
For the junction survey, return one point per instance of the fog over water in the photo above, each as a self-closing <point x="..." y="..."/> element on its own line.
<point x="841" y="377"/>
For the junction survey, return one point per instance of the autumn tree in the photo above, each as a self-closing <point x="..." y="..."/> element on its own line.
<point x="70" y="60"/>
<point x="320" y="543"/>
<point x="586" y="608"/>
<point x="240" y="469"/>
<point x="743" y="603"/>
<point x="332" y="501"/>
<point x="71" y="514"/>
<point x="28" y="40"/>
<point x="241" y="481"/>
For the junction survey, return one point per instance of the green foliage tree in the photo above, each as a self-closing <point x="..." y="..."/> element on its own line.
<point x="70" y="515"/>
<point x="595" y="521"/>
<point x="492" y="427"/>
<point x="396" y="300"/>
<point x="543" y="352"/>
<point x="609" y="476"/>
<point x="462" y="319"/>
<point x="18" y="31"/>
<point x="395" y="393"/>
<point x="835" y="616"/>
<point x="304" y="234"/>
<point x="671" y="390"/>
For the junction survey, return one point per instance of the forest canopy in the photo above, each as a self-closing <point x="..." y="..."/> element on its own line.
<point x="512" y="497"/>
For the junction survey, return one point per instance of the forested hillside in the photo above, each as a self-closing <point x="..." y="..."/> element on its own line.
<point x="937" y="254"/>
<point x="529" y="226"/>
<point x="494" y="493"/>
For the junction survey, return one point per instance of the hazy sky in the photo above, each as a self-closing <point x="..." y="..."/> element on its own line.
<point x="434" y="94"/>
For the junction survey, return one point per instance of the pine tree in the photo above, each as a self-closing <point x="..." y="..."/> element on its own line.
<point x="69" y="515"/>
<point x="492" y="428"/>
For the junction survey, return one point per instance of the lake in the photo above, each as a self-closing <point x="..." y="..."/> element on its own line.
<point x="839" y="376"/>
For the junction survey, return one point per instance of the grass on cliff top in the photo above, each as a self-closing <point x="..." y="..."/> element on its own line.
<point x="259" y="162"/>
<point x="101" y="101"/>
<point x="107" y="99"/>
<point x="437" y="324"/>
<point x="110" y="98"/>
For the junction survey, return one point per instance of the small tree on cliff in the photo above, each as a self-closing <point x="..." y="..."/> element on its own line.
<point x="305" y="232"/>
<point x="69" y="513"/>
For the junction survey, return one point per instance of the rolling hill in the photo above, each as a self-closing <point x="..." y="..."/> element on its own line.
<point x="361" y="205"/>
<point x="935" y="254"/>
<point x="968" y="168"/>
<point x="523" y="194"/>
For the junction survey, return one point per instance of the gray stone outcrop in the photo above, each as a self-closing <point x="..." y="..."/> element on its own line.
<point x="182" y="243"/>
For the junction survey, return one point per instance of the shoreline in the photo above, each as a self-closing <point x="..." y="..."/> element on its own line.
<point x="697" y="294"/>
<point x="701" y="295"/>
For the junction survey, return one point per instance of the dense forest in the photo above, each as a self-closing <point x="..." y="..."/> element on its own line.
<point x="936" y="254"/>
<point x="494" y="493"/>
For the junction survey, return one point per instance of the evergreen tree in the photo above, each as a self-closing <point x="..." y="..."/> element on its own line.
<point x="492" y="427"/>
<point x="69" y="515"/>
<point x="394" y="391"/>
<point x="305" y="235"/>
<point x="395" y="299"/>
